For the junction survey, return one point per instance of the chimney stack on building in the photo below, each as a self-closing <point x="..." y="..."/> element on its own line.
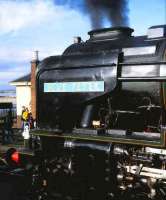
<point x="34" y="63"/>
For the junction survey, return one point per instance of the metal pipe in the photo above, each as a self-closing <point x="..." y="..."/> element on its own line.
<point x="87" y="116"/>
<point x="106" y="147"/>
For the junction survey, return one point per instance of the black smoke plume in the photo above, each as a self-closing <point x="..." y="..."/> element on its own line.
<point x="114" y="11"/>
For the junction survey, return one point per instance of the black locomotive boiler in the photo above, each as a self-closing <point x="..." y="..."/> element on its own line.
<point x="111" y="85"/>
<point x="101" y="119"/>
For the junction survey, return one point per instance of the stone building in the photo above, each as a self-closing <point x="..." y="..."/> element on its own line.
<point x="26" y="90"/>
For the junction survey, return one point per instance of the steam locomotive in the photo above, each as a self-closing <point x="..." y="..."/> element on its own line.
<point x="101" y="119"/>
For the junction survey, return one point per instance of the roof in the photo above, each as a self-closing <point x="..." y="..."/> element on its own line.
<point x="24" y="80"/>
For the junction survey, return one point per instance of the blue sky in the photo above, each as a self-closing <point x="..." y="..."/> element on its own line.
<point x="28" y="25"/>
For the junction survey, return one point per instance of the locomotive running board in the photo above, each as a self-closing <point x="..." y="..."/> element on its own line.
<point x="129" y="139"/>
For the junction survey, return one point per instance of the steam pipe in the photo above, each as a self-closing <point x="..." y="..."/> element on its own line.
<point x="105" y="147"/>
<point x="87" y="116"/>
<point x="134" y="135"/>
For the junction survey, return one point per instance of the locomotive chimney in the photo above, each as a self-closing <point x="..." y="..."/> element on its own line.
<point x="77" y="40"/>
<point x="34" y="63"/>
<point x="110" y="33"/>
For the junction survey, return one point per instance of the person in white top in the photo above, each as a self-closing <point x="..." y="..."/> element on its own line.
<point x="26" y="135"/>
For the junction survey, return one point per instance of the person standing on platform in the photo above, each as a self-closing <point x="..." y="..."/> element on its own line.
<point x="26" y="127"/>
<point x="25" y="117"/>
<point x="22" y="119"/>
<point x="26" y="136"/>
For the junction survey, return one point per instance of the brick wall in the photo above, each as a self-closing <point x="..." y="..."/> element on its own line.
<point x="19" y="123"/>
<point x="34" y="64"/>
